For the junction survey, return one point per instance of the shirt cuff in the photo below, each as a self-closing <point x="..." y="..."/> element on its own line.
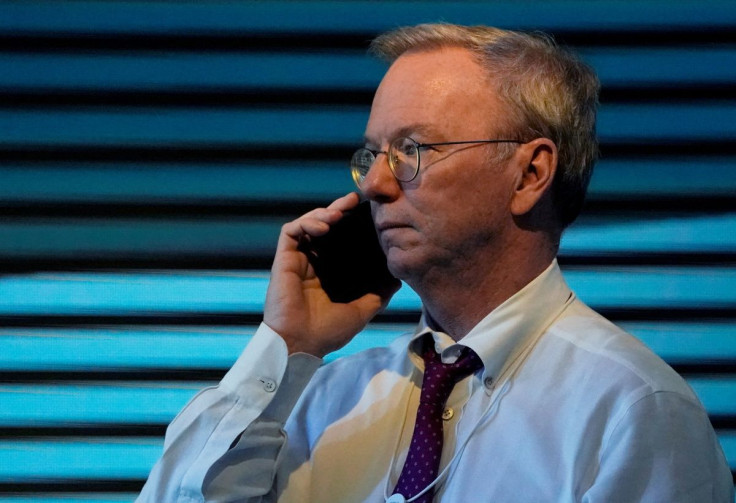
<point x="267" y="374"/>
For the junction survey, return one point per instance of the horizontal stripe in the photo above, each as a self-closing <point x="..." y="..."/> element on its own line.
<point x="165" y="17"/>
<point x="115" y="458"/>
<point x="326" y="126"/>
<point x="41" y="405"/>
<point x="335" y="70"/>
<point x="213" y="236"/>
<point x="243" y="292"/>
<point x="687" y="342"/>
<point x="263" y="181"/>
<point x="120" y="347"/>
<point x="122" y="459"/>
<point x="309" y="181"/>
<point x="157" y="403"/>
<point x="110" y="349"/>
<point x="664" y="234"/>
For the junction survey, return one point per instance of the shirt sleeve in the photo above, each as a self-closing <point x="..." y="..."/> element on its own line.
<point x="663" y="448"/>
<point x="244" y="413"/>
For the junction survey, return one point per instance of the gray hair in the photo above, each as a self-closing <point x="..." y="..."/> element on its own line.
<point x="552" y="93"/>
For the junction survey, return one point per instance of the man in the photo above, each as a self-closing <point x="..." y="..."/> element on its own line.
<point x="478" y="151"/>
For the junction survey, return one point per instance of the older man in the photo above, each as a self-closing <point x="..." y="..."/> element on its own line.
<point x="477" y="154"/>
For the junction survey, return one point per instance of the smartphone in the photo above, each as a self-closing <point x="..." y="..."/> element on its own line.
<point x="348" y="260"/>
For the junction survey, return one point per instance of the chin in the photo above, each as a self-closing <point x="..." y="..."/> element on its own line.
<point x="404" y="265"/>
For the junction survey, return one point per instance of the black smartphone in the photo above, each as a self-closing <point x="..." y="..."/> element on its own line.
<point x="348" y="260"/>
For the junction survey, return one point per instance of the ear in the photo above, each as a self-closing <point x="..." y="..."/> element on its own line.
<point x="538" y="164"/>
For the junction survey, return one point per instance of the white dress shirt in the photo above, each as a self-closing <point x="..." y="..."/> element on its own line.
<point x="568" y="408"/>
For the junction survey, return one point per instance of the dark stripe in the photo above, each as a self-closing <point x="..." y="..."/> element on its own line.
<point x="238" y="41"/>
<point x="183" y="154"/>
<point x="637" y="207"/>
<point x="192" y="98"/>
<point x="216" y="261"/>
<point x="21" y="433"/>
<point x="250" y="97"/>
<point x="648" y="259"/>
<point x="137" y="374"/>
<point x="192" y="319"/>
<point x="200" y="153"/>
<point x="71" y="486"/>
<point x="219" y="261"/>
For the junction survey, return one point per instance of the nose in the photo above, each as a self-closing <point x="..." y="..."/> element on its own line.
<point x="379" y="183"/>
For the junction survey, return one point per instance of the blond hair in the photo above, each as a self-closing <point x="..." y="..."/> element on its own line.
<point x="552" y="93"/>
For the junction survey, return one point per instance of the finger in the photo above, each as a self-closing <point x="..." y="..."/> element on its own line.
<point x="346" y="202"/>
<point x="373" y="302"/>
<point x="317" y="222"/>
<point x="336" y="209"/>
<point x="305" y="227"/>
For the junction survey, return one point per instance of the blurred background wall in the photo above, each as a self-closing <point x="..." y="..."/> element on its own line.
<point x="150" y="151"/>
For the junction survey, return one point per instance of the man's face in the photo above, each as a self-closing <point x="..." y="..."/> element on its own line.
<point x="455" y="212"/>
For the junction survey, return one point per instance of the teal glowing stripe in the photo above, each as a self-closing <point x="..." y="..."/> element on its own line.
<point x="184" y="127"/>
<point x="665" y="122"/>
<point x="125" y="458"/>
<point x="121" y="348"/>
<point x="158" y="403"/>
<point x="648" y="67"/>
<point x="718" y="394"/>
<point x="314" y="181"/>
<point x="687" y="342"/>
<point x="182" y="183"/>
<point x="91" y="349"/>
<point x="139" y="238"/>
<point x="243" y="292"/>
<point x="655" y="288"/>
<point x="642" y="66"/>
<point x="217" y="237"/>
<point x="341" y="17"/>
<point x="322" y="126"/>
<point x="122" y="459"/>
<point x="90" y="404"/>
<point x="191" y="71"/>
<point x="666" y="234"/>
<point x="68" y="293"/>
<point x="125" y="347"/>
<point x="645" y="178"/>
<point x="728" y="442"/>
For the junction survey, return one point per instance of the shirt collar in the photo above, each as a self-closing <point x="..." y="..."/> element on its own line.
<point x="507" y="330"/>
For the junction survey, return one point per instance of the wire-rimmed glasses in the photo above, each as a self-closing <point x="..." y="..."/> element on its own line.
<point x="403" y="157"/>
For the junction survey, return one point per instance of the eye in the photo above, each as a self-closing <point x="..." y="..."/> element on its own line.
<point x="405" y="147"/>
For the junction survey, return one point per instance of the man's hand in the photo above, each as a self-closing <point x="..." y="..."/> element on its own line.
<point x="297" y="308"/>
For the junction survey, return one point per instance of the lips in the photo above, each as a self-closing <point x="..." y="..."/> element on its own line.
<point x="384" y="226"/>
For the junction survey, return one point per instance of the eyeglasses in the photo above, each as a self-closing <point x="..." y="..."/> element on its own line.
<point x="403" y="157"/>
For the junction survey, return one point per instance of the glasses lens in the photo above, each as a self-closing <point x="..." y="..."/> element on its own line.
<point x="360" y="164"/>
<point x="403" y="158"/>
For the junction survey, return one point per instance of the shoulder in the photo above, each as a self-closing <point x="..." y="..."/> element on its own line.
<point x="611" y="357"/>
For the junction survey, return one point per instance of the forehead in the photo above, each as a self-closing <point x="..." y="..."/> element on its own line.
<point x="442" y="92"/>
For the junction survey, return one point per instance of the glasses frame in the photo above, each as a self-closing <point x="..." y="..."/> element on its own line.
<point x="358" y="178"/>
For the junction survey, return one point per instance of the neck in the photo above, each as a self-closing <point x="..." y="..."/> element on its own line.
<point x="458" y="297"/>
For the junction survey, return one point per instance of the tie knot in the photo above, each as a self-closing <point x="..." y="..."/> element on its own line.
<point x="440" y="378"/>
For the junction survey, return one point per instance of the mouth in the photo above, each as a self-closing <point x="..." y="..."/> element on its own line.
<point x="386" y="226"/>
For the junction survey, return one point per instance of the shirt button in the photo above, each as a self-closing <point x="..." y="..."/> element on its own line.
<point x="268" y="384"/>
<point x="447" y="414"/>
<point x="488" y="382"/>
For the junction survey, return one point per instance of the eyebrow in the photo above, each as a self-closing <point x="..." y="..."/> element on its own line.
<point x="409" y="130"/>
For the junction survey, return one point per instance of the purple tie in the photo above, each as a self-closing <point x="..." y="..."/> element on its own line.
<point x="423" y="460"/>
